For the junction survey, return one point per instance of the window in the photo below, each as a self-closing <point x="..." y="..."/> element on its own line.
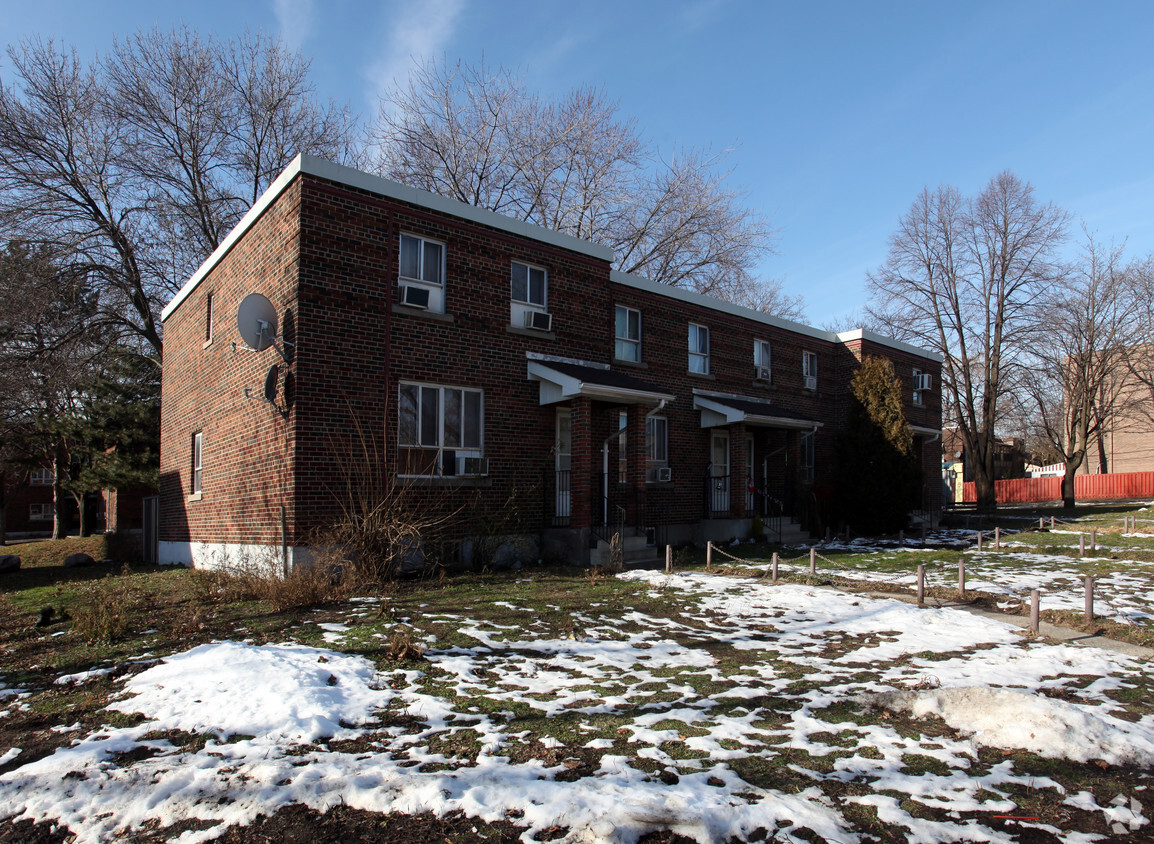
<point x="809" y="370"/>
<point x="422" y="260"/>
<point x="698" y="348"/>
<point x="439" y="430"/>
<point x="529" y="284"/>
<point x="208" y="319"/>
<point x="41" y="477"/>
<point x="761" y="360"/>
<point x="808" y="456"/>
<point x="422" y="271"/>
<point x="628" y="333"/>
<point x="922" y="382"/>
<point x="197" y="461"/>
<point x="40" y="512"/>
<point x="657" y="440"/>
<point x="622" y="448"/>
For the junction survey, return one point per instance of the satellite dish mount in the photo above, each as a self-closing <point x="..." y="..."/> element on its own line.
<point x="269" y="397"/>
<point x="256" y="322"/>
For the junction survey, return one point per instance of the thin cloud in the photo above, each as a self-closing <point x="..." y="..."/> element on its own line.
<point x="294" y="19"/>
<point x="416" y="32"/>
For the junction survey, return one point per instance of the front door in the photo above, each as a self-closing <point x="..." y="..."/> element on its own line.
<point x="719" y="473"/>
<point x="563" y="449"/>
<point x="750" y="467"/>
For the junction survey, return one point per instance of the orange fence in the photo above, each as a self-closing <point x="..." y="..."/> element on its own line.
<point x="1086" y="488"/>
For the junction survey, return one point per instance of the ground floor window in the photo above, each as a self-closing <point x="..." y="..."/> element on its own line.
<point x="440" y="430"/>
<point x="657" y="449"/>
<point x="40" y="512"/>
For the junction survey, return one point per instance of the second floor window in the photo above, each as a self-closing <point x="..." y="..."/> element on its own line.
<point x="628" y="334"/>
<point x="698" y="348"/>
<point x="529" y="284"/>
<point x="422" y="260"/>
<point x="809" y="369"/>
<point x="761" y="360"/>
<point x="41" y="477"/>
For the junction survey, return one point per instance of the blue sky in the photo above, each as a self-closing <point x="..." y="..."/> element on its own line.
<point x="838" y="113"/>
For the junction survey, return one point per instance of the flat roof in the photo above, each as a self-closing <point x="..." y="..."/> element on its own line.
<point x="324" y="169"/>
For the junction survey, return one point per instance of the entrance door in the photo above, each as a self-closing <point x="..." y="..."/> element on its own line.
<point x="719" y="480"/>
<point x="563" y="449"/>
<point x="750" y="467"/>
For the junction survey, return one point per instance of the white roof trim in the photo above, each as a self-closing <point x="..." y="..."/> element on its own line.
<point x="922" y="429"/>
<point x="322" y="168"/>
<point x="558" y="386"/>
<point x="715" y="413"/>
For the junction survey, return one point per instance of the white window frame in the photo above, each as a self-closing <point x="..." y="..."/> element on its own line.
<point x="543" y="305"/>
<point x="623" y="447"/>
<point x="698" y="348"/>
<point x="41" y="477"/>
<point x="763" y="356"/>
<point x="431" y="435"/>
<point x="626" y="347"/>
<point x="918" y="399"/>
<point x="809" y="367"/>
<point x="41" y="512"/>
<point x="198" y="462"/>
<point x="435" y="287"/>
<point x="657" y="446"/>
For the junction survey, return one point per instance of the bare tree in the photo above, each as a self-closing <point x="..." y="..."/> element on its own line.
<point x="575" y="166"/>
<point x="963" y="277"/>
<point x="1075" y="382"/>
<point x="135" y="167"/>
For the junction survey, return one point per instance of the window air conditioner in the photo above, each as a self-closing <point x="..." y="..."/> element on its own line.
<point x="664" y="474"/>
<point x="539" y="320"/>
<point x="473" y="466"/>
<point x="811" y="382"/>
<point x="415" y="297"/>
<point x="763" y="373"/>
<point x="924" y="381"/>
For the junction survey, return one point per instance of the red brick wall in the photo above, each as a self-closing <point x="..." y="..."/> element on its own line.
<point x="248" y="448"/>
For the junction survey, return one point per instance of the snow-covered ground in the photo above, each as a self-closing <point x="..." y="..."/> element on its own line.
<point x="696" y="722"/>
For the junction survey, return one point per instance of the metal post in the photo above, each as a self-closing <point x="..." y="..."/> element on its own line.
<point x="1089" y="598"/>
<point x="1081" y="545"/>
<point x="708" y="555"/>
<point x="979" y="540"/>
<point x="812" y="562"/>
<point x="962" y="579"/>
<point x="1041" y="523"/>
<point x="1035" y="600"/>
<point x="921" y="585"/>
<point x="1051" y="523"/>
<point x="1093" y="539"/>
<point x="997" y="539"/>
<point x="668" y="559"/>
<point x="775" y="567"/>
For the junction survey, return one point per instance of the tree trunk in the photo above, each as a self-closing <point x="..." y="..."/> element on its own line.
<point x="987" y="496"/>
<point x="59" y="470"/>
<point x="1068" y="486"/>
<point x="3" y="508"/>
<point x="81" y="515"/>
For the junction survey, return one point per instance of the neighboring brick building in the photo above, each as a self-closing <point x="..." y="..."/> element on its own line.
<point x="28" y="504"/>
<point x="467" y="360"/>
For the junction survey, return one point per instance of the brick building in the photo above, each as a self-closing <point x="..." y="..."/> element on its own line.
<point x="486" y="367"/>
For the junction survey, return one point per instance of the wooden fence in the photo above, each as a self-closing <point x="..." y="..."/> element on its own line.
<point x="1086" y="488"/>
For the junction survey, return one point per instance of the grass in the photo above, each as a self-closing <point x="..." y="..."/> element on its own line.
<point x="118" y="612"/>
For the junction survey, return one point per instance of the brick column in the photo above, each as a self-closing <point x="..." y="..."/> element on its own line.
<point x="636" y="458"/>
<point x="580" y="481"/>
<point x="738" y="483"/>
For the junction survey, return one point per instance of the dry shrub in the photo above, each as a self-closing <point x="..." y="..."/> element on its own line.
<point x="311" y="586"/>
<point x="100" y="615"/>
<point x="616" y="562"/>
<point x="402" y="647"/>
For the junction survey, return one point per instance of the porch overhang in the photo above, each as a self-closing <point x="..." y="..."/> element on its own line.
<point x="718" y="410"/>
<point x="923" y="431"/>
<point x="562" y="381"/>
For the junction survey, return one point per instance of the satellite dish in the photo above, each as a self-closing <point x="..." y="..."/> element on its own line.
<point x="256" y="321"/>
<point x="270" y="384"/>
